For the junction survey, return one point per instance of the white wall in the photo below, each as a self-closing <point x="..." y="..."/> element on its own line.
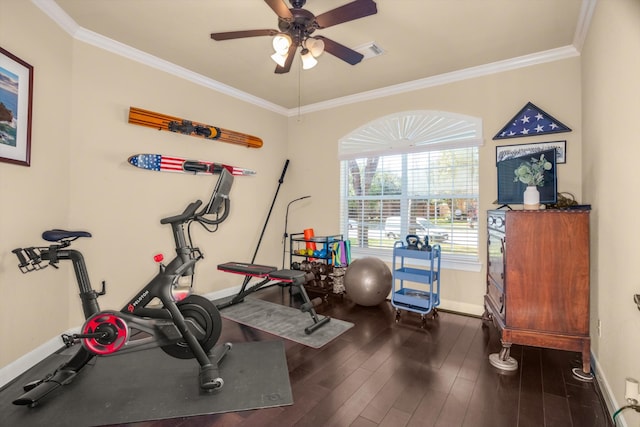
<point x="611" y="94"/>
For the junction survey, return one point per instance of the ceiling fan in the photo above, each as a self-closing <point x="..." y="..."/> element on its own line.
<point x="296" y="26"/>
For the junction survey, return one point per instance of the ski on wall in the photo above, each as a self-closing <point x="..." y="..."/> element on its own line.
<point x="138" y="116"/>
<point x="158" y="162"/>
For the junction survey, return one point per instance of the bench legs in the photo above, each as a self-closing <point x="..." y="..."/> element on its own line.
<point x="309" y="306"/>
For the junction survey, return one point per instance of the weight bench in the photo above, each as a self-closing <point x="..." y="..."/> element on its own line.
<point x="271" y="276"/>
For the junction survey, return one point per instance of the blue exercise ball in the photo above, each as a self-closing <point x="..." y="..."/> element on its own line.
<point x="368" y="281"/>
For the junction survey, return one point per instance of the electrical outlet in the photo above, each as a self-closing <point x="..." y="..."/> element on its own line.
<point x="599" y="328"/>
<point x="631" y="391"/>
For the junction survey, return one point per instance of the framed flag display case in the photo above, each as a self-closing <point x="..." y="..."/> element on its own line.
<point x="531" y="121"/>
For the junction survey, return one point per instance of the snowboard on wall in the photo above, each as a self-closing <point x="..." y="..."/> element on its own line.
<point x="158" y="162"/>
<point x="138" y="116"/>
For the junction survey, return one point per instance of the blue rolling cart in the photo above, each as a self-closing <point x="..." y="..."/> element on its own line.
<point x="416" y="289"/>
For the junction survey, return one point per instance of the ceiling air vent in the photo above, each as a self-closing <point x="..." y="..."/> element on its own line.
<point x="369" y="50"/>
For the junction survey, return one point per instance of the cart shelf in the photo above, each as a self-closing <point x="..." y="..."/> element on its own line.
<point x="416" y="289"/>
<point x="416" y="275"/>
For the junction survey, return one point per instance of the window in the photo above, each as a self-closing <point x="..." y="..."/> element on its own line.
<point x="412" y="173"/>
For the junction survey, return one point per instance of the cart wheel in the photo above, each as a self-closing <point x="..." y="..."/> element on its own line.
<point x="397" y="315"/>
<point x="423" y="321"/>
<point x="435" y="313"/>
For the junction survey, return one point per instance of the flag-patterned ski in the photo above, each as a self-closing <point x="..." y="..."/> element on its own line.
<point x="138" y="116"/>
<point x="158" y="162"/>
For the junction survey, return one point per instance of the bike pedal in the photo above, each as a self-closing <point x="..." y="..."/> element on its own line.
<point x="68" y="340"/>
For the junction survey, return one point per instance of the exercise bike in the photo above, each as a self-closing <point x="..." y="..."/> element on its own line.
<point x="184" y="325"/>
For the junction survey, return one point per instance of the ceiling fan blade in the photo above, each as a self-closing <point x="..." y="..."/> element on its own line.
<point x="287" y="64"/>
<point x="280" y="8"/>
<point x="350" y="11"/>
<point x="341" y="51"/>
<point x="242" y="34"/>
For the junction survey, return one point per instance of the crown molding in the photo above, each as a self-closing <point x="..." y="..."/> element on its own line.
<point x="121" y="49"/>
<point x="442" y="79"/>
<point x="51" y="9"/>
<point x="59" y="16"/>
<point x="584" y="21"/>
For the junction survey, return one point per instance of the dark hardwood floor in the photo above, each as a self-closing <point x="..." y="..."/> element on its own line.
<point x="383" y="373"/>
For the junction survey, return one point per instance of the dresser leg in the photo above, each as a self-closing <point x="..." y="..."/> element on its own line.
<point x="581" y="375"/>
<point x="503" y="360"/>
<point x="584" y="373"/>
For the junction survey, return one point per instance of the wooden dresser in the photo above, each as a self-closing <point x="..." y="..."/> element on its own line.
<point x="538" y="282"/>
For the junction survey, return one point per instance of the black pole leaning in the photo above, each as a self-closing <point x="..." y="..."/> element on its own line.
<point x="280" y="181"/>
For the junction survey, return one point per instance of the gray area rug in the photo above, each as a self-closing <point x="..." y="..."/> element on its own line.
<point x="283" y="321"/>
<point x="150" y="385"/>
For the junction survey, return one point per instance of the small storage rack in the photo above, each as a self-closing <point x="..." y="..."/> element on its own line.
<point x="324" y="264"/>
<point x="416" y="289"/>
<point x="298" y="247"/>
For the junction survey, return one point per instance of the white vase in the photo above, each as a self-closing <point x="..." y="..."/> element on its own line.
<point x="531" y="198"/>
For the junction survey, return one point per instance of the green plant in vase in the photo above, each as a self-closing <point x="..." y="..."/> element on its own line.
<point x="531" y="173"/>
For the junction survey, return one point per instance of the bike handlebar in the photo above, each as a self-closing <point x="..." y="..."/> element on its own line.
<point x="189" y="213"/>
<point x="21" y="257"/>
<point x="200" y="216"/>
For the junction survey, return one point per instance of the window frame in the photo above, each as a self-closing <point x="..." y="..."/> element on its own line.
<point x="410" y="132"/>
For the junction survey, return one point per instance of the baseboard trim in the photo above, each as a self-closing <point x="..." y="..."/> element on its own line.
<point x="462" y="307"/>
<point x="22" y="364"/>
<point x="607" y="393"/>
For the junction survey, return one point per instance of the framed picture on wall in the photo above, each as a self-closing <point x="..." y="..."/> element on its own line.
<point x="506" y="152"/>
<point x="16" y="91"/>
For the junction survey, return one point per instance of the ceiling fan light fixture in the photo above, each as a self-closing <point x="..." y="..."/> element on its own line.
<point x="295" y="26"/>
<point x="315" y="46"/>
<point x="281" y="44"/>
<point x="279" y="59"/>
<point x="308" y="61"/>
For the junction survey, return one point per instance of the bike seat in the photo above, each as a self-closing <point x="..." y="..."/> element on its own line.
<point x="57" y="235"/>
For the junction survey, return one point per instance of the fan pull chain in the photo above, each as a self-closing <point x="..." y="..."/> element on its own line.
<point x="299" y="90"/>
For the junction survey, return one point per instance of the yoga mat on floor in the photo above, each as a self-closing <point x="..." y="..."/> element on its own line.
<point x="151" y="385"/>
<point x="283" y="321"/>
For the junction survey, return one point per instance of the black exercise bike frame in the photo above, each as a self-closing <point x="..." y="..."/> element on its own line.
<point x="159" y="323"/>
<point x="164" y="327"/>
